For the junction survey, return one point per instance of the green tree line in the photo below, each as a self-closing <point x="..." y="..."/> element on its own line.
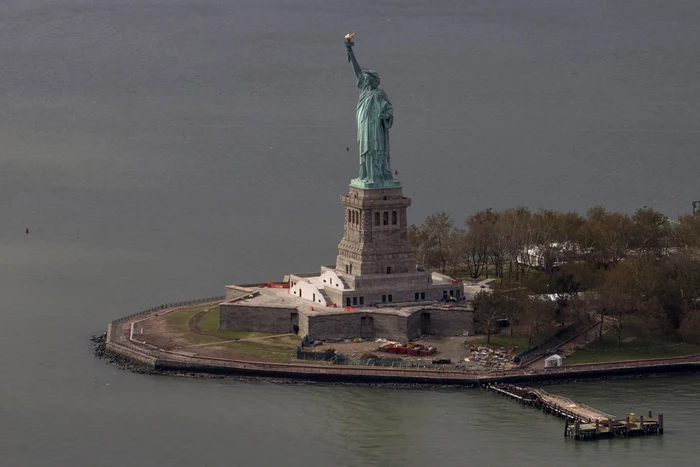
<point x="640" y="270"/>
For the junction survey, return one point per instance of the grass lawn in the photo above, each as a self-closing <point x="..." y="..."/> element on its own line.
<point x="520" y="343"/>
<point x="176" y="324"/>
<point x="607" y="351"/>
<point x="280" y="349"/>
<point x="176" y="321"/>
<point x="174" y="332"/>
<point x="210" y="324"/>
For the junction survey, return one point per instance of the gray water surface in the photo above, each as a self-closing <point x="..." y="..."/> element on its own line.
<point x="159" y="149"/>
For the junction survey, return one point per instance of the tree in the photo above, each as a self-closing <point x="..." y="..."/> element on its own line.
<point x="569" y="235"/>
<point x="687" y="233"/>
<point x="568" y="282"/>
<point x="537" y="314"/>
<point x="618" y="306"/>
<point x="474" y="253"/>
<point x="508" y="225"/>
<point x="438" y="229"/>
<point x="607" y="236"/>
<point x="515" y="309"/>
<point x="627" y="292"/>
<point x="690" y="327"/>
<point x="549" y="240"/>
<point x="480" y="226"/>
<point x="639" y="271"/>
<point x="580" y="310"/>
<point x="523" y="241"/>
<point x="675" y="283"/>
<point x="496" y="239"/>
<point x="649" y="231"/>
<point x="456" y="257"/>
<point x="616" y="236"/>
<point x="489" y="307"/>
<point x="420" y="242"/>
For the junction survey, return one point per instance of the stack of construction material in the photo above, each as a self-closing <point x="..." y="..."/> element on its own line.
<point x="490" y="357"/>
<point x="407" y="348"/>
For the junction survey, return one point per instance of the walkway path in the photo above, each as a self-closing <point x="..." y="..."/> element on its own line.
<point x="247" y="339"/>
<point x="580" y="340"/>
<point x="119" y="342"/>
<point x="584" y="412"/>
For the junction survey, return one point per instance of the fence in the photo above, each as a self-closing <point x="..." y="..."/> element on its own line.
<point x="332" y="357"/>
<point x="399" y="363"/>
<point x="175" y="362"/>
<point x="114" y="328"/>
<point x="559" y="338"/>
<point x="207" y="364"/>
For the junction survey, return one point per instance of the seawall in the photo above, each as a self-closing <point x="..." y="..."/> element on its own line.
<point x="120" y="345"/>
<point x="164" y="362"/>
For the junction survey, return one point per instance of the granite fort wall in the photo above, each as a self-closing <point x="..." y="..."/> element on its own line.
<point x="348" y="325"/>
<point x="391" y="327"/>
<point x="345" y="326"/>
<point x="303" y="325"/>
<point x="256" y="318"/>
<point x="354" y="324"/>
<point x="163" y="360"/>
<point x="414" y="325"/>
<point x="450" y="322"/>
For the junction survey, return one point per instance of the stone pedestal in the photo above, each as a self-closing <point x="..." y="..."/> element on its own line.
<point x="375" y="262"/>
<point x="375" y="235"/>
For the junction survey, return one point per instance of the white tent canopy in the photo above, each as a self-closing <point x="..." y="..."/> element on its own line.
<point x="554" y="360"/>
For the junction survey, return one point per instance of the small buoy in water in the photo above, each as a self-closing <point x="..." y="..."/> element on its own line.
<point x="347" y="148"/>
<point x="26" y="230"/>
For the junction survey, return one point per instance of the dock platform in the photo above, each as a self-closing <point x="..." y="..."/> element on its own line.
<point x="581" y="421"/>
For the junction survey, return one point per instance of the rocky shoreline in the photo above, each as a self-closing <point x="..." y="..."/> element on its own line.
<point x="99" y="344"/>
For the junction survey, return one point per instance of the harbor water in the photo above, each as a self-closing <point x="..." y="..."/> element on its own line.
<point x="157" y="150"/>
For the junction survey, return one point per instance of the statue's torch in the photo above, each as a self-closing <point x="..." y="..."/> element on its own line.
<point x="348" y="39"/>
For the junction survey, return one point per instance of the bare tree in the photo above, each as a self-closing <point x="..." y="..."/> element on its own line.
<point x="420" y="243"/>
<point x="538" y="313"/>
<point x="650" y="229"/>
<point x="488" y="309"/>
<point x="438" y="228"/>
<point x="456" y="257"/>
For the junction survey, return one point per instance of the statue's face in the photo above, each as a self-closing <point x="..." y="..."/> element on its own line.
<point x="371" y="80"/>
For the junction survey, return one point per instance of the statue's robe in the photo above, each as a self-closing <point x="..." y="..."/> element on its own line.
<point x="373" y="133"/>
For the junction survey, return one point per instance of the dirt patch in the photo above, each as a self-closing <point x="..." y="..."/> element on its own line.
<point x="453" y="349"/>
<point x="166" y="331"/>
<point x="448" y="347"/>
<point x="193" y="325"/>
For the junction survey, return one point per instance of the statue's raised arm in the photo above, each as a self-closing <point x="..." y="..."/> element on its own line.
<point x="351" y="55"/>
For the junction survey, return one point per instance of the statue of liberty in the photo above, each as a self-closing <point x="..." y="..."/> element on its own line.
<point x="375" y="116"/>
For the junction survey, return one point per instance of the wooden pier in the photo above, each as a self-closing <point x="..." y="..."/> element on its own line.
<point x="581" y="421"/>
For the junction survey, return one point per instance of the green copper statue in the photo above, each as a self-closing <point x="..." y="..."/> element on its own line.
<point x="375" y="117"/>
